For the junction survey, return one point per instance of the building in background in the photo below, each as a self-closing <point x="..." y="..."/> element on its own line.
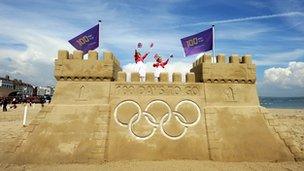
<point x="6" y="86"/>
<point x="15" y="88"/>
<point x="45" y="91"/>
<point x="23" y="89"/>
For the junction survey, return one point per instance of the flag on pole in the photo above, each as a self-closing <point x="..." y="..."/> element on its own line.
<point x="197" y="43"/>
<point x="88" y="40"/>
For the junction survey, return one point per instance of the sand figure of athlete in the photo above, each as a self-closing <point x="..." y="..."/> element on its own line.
<point x="159" y="65"/>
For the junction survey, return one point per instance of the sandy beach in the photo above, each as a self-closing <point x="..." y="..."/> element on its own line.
<point x="172" y="165"/>
<point x="11" y="130"/>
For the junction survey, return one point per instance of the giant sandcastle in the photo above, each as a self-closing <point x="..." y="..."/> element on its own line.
<point x="96" y="115"/>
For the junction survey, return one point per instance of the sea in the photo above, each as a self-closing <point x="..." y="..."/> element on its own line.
<point x="282" y="102"/>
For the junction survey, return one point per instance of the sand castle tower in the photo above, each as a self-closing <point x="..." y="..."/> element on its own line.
<point x="97" y="116"/>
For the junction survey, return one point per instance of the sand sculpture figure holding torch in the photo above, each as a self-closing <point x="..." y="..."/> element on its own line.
<point x="139" y="60"/>
<point x="159" y="65"/>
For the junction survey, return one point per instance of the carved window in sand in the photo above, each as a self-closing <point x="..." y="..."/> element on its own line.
<point x="229" y="95"/>
<point x="82" y="93"/>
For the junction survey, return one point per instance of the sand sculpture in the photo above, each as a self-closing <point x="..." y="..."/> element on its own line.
<point x="97" y="116"/>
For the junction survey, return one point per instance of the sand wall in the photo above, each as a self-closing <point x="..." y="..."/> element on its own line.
<point x="91" y="122"/>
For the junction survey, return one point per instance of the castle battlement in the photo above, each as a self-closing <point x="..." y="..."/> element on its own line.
<point x="237" y="70"/>
<point x="74" y="67"/>
<point x="163" y="78"/>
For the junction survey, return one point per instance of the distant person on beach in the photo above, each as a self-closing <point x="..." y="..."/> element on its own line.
<point x="14" y="102"/>
<point x="42" y="101"/>
<point x="4" y="105"/>
<point x="30" y="101"/>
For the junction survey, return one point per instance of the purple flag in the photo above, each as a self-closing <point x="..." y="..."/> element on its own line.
<point x="88" y="40"/>
<point x="200" y="42"/>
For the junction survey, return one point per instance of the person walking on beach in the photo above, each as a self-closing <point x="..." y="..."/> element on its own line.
<point x="4" y="105"/>
<point x="42" y="101"/>
<point x="14" y="102"/>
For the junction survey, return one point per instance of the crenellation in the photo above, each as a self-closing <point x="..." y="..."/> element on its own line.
<point x="234" y="58"/>
<point x="93" y="55"/>
<point x="121" y="76"/>
<point x="164" y="77"/>
<point x="77" y="55"/>
<point x="206" y="58"/>
<point x="190" y="77"/>
<point x="220" y="58"/>
<point x="107" y="56"/>
<point x="247" y="59"/>
<point x="177" y="77"/>
<point x="63" y="54"/>
<point x="135" y="77"/>
<point x="150" y="77"/>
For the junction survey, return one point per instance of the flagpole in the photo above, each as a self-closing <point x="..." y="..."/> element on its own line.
<point x="213" y="44"/>
<point x="99" y="38"/>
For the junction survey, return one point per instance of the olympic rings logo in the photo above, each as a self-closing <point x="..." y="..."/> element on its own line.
<point x="164" y="120"/>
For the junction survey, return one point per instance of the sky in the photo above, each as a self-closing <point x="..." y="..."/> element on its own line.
<point x="32" y="32"/>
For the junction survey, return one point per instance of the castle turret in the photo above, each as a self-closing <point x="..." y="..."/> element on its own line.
<point x="237" y="70"/>
<point x="74" y="67"/>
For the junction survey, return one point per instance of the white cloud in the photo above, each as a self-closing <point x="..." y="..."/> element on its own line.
<point x="291" y="76"/>
<point x="34" y="63"/>
<point x="171" y="67"/>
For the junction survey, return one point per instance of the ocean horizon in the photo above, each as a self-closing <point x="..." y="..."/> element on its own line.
<point x="282" y="102"/>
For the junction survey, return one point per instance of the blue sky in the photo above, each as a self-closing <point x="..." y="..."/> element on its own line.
<point x="32" y="31"/>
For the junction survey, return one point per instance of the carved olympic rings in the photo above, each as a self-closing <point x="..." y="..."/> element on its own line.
<point x="152" y="120"/>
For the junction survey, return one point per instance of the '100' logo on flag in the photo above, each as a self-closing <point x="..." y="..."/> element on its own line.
<point x="85" y="39"/>
<point x="194" y="41"/>
<point x="88" y="40"/>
